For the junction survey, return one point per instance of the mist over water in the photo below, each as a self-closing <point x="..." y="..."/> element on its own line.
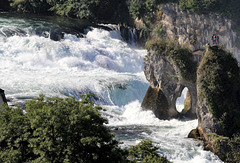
<point x="90" y="58"/>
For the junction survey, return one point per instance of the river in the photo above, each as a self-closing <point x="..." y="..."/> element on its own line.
<point x="62" y="57"/>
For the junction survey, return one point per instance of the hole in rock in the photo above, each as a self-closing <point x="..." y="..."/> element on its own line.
<point x="180" y="101"/>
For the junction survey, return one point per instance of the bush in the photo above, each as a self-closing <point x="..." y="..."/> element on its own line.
<point x="136" y="9"/>
<point x="229" y="8"/>
<point x="64" y="130"/>
<point x="145" y="152"/>
<point x="234" y="154"/>
<point x="159" y="32"/>
<point x="56" y="130"/>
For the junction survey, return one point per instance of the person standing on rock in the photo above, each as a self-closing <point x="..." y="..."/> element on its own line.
<point x="214" y="39"/>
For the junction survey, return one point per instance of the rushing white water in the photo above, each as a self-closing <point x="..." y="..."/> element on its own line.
<point x="100" y="63"/>
<point x="180" y="100"/>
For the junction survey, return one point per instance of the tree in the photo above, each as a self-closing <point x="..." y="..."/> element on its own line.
<point x="15" y="132"/>
<point x="145" y="152"/>
<point x="57" y="130"/>
<point x="136" y="8"/>
<point x="64" y="130"/>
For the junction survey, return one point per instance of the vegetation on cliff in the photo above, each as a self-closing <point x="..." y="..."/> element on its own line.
<point x="64" y="130"/>
<point x="218" y="82"/>
<point x="229" y="8"/>
<point x="117" y="10"/>
<point x="108" y="10"/>
<point x="182" y="57"/>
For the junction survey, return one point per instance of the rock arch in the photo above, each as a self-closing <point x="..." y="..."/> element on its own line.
<point x="167" y="84"/>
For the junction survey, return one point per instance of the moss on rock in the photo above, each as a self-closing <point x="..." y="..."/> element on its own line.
<point x="182" y="57"/>
<point x="218" y="84"/>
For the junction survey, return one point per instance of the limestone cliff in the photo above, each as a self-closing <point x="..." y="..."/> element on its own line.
<point x="168" y="78"/>
<point x="195" y="31"/>
<point x="218" y="108"/>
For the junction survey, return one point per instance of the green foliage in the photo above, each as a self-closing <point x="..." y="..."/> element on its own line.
<point x="143" y="10"/>
<point x="151" y="5"/>
<point x="159" y="32"/>
<point x="234" y="154"/>
<point x="56" y="130"/>
<point x="228" y="8"/>
<point x="136" y="8"/>
<point x="64" y="130"/>
<point x="109" y="10"/>
<point x="218" y="79"/>
<point x="145" y="152"/>
<point x="15" y="132"/>
<point x="80" y="9"/>
<point x="33" y="6"/>
<point x="39" y="6"/>
<point x="182" y="57"/>
<point x="200" y="5"/>
<point x="144" y="33"/>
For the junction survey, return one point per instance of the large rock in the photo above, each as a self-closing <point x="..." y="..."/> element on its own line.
<point x="167" y="85"/>
<point x="217" y="85"/>
<point x="156" y="101"/>
<point x="218" y="108"/>
<point x="3" y="99"/>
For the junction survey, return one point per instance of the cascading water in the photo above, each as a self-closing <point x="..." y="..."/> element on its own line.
<point x="33" y="62"/>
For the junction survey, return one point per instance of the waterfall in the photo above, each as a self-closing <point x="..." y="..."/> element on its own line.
<point x="99" y="62"/>
<point x="130" y="35"/>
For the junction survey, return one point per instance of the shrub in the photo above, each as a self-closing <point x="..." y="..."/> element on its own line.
<point x="136" y="9"/>
<point x="159" y="32"/>
<point x="234" y="154"/>
<point x="151" y="5"/>
<point x="56" y="130"/>
<point x="64" y="130"/>
<point x="145" y="152"/>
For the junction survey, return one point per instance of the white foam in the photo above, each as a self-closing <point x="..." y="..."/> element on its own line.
<point x="32" y="65"/>
<point x="169" y="135"/>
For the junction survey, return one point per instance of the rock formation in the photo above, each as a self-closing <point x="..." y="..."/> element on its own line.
<point x="2" y="98"/>
<point x="166" y="85"/>
<point x="218" y="101"/>
<point x="194" y="31"/>
<point x="215" y="95"/>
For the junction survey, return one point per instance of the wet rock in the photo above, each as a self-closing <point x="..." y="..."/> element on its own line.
<point x="3" y="99"/>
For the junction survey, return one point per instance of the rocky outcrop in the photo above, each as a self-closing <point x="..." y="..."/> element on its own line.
<point x="217" y="86"/>
<point x="156" y="101"/>
<point x="217" y="109"/>
<point x="213" y="142"/>
<point x="195" y="31"/>
<point x="166" y="85"/>
<point x="2" y="98"/>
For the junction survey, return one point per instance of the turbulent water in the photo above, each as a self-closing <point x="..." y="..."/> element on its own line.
<point x="59" y="57"/>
